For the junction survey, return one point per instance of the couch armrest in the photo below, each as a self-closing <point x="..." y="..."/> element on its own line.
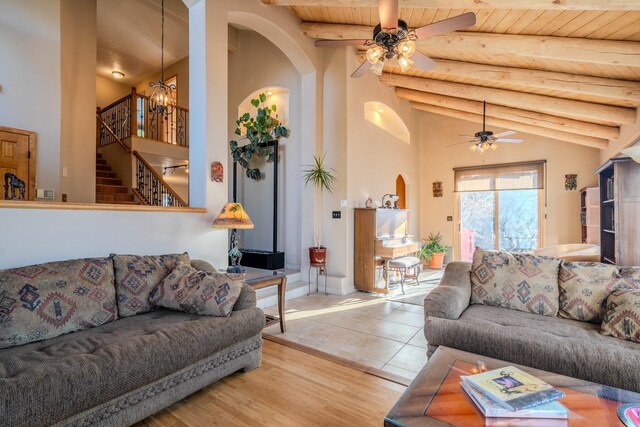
<point x="247" y="298"/>
<point x="451" y="297"/>
<point x="202" y="265"/>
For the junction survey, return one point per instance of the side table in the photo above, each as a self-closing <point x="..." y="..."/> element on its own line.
<point x="259" y="279"/>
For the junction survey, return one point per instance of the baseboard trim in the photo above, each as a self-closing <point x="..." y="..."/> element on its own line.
<point x="339" y="360"/>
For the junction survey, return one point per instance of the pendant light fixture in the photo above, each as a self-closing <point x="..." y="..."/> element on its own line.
<point x="163" y="98"/>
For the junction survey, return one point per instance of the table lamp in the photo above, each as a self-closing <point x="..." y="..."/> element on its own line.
<point x="234" y="217"/>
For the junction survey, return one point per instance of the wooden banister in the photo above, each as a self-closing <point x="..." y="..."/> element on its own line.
<point x="122" y="144"/>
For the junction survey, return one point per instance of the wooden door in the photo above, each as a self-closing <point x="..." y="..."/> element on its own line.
<point x="17" y="157"/>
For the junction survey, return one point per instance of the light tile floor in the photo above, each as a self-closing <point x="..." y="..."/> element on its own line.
<point x="378" y="331"/>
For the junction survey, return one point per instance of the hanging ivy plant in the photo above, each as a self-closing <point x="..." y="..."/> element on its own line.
<point x="259" y="130"/>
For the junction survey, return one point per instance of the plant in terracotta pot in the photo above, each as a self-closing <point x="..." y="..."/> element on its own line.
<point x="432" y="251"/>
<point x="259" y="130"/>
<point x="322" y="178"/>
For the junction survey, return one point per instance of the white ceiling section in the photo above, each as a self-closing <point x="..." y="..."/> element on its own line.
<point x="129" y="37"/>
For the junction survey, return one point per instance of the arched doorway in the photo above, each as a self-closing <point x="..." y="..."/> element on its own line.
<point x="401" y="191"/>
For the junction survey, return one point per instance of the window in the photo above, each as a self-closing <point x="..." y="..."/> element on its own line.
<point x="499" y="207"/>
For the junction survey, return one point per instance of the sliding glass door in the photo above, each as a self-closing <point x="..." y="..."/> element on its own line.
<point x="499" y="207"/>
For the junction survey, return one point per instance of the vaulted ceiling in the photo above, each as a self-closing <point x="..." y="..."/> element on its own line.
<point x="565" y="69"/>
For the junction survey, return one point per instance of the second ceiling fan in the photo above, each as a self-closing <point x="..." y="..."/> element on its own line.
<point x="393" y="40"/>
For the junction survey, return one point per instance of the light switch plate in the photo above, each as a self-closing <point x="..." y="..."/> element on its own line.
<point x="336" y="214"/>
<point x="343" y="203"/>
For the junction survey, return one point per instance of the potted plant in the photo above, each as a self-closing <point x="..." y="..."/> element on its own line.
<point x="323" y="179"/>
<point x="432" y="251"/>
<point x="259" y="130"/>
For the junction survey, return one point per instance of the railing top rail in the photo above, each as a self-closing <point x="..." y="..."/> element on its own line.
<point x="159" y="178"/>
<point x="113" y="104"/>
<point x="122" y="144"/>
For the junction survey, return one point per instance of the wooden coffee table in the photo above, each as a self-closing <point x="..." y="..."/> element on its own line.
<point x="435" y="397"/>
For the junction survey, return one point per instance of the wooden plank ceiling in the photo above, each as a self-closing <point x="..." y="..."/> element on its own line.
<point x="567" y="69"/>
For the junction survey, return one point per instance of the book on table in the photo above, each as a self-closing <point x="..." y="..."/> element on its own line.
<point x="512" y="388"/>
<point x="490" y="409"/>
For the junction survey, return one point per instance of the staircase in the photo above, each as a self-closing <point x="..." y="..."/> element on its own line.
<point x="109" y="188"/>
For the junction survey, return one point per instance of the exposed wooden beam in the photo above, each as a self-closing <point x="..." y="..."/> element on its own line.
<point x="588" y="51"/>
<point x="473" y="4"/>
<point x="513" y="114"/>
<point x="577" y="110"/>
<point x="607" y="91"/>
<point x="507" y="124"/>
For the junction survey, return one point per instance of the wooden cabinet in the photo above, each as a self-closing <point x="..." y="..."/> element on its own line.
<point x="620" y="211"/>
<point x="364" y="268"/>
<point x="590" y="215"/>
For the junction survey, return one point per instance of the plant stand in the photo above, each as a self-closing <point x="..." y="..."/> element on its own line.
<point x="320" y="270"/>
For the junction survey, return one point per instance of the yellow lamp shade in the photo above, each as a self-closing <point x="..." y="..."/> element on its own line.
<point x="232" y="215"/>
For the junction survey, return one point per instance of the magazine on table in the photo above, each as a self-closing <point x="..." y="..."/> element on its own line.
<point x="491" y="409"/>
<point x="512" y="388"/>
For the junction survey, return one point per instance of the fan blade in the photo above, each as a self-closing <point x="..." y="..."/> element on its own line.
<point x="505" y="133"/>
<point x="361" y="70"/>
<point x="388" y="10"/>
<point x="511" y="140"/>
<point x="422" y="61"/>
<point x="338" y="43"/>
<point x="452" y="24"/>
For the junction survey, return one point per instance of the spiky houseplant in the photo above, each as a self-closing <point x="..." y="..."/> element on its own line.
<point x="322" y="177"/>
<point x="259" y="130"/>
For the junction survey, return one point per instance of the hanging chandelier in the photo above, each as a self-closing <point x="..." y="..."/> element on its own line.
<point x="389" y="44"/>
<point x="163" y="98"/>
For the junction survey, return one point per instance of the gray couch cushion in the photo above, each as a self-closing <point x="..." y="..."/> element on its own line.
<point x="43" y="301"/>
<point x="564" y="346"/>
<point x="44" y="382"/>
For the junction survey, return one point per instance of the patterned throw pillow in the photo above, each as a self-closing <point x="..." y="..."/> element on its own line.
<point x="622" y="319"/>
<point x="196" y="292"/>
<point x="136" y="276"/>
<point x="584" y="287"/>
<point x="522" y="282"/>
<point x="43" y="301"/>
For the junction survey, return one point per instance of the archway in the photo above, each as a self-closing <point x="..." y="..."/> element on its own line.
<point x="401" y="192"/>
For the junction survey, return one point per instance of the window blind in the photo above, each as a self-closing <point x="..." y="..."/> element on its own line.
<point x="511" y="176"/>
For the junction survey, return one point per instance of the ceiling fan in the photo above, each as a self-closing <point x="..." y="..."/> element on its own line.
<point x="392" y="39"/>
<point x="485" y="139"/>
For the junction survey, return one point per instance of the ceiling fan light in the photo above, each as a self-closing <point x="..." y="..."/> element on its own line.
<point x="377" y="68"/>
<point x="405" y="63"/>
<point x="374" y="54"/>
<point x="494" y="147"/>
<point x="474" y="147"/>
<point x="407" y="48"/>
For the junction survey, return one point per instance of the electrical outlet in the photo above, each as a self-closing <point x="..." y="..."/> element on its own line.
<point x="449" y="218"/>
<point x="336" y="214"/>
<point x="64" y="198"/>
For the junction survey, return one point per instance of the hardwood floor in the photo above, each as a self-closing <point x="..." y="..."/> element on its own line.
<point x="291" y="388"/>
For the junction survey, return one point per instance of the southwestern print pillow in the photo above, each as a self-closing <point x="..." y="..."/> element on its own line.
<point x="622" y="319"/>
<point x="516" y="281"/>
<point x="136" y="276"/>
<point x="43" y="301"/>
<point x="584" y="287"/>
<point x="197" y="292"/>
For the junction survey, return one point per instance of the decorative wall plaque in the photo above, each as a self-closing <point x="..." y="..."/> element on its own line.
<point x="571" y="182"/>
<point x="437" y="189"/>
<point x="217" y="172"/>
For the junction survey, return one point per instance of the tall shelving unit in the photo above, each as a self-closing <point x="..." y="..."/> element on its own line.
<point x="590" y="215"/>
<point x="620" y="211"/>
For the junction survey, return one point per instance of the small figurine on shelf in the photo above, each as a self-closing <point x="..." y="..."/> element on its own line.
<point x="369" y="203"/>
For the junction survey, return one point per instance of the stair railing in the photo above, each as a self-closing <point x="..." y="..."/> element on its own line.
<point x="131" y="116"/>
<point x="152" y="188"/>
<point x="113" y="138"/>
